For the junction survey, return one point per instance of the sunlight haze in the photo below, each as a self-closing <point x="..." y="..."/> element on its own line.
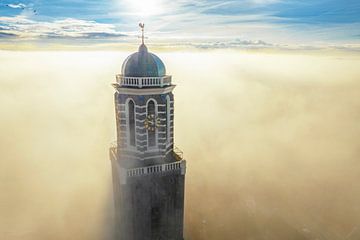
<point x="275" y="149"/>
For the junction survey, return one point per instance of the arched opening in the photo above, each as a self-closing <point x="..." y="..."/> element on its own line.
<point x="131" y="122"/>
<point x="151" y="134"/>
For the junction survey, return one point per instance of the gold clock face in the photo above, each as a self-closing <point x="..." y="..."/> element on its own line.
<point x="151" y="122"/>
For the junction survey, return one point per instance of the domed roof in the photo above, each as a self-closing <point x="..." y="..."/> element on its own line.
<point x="143" y="64"/>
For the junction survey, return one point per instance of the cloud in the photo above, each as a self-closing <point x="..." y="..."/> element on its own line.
<point x="264" y="2"/>
<point x="104" y="35"/>
<point x="276" y="151"/>
<point x="237" y="43"/>
<point x="240" y="43"/>
<point x="19" y="5"/>
<point x="26" y="28"/>
<point x="7" y="35"/>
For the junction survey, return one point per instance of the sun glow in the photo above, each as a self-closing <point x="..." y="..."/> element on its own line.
<point x="144" y="8"/>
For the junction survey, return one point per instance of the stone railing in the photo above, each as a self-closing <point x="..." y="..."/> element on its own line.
<point x="141" y="82"/>
<point x="161" y="168"/>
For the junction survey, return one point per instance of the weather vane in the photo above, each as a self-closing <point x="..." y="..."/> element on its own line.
<point x="142" y="26"/>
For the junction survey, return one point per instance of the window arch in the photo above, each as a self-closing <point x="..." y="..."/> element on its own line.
<point x="131" y="122"/>
<point x="151" y="110"/>
<point x="167" y="109"/>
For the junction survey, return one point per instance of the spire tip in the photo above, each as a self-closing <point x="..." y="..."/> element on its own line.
<point x="142" y="26"/>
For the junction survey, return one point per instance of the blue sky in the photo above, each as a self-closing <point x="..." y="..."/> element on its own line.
<point x="306" y="22"/>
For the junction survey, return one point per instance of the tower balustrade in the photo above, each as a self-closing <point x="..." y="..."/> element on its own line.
<point x="154" y="169"/>
<point x="141" y="82"/>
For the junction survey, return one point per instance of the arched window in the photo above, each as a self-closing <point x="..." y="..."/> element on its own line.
<point x="167" y="119"/>
<point x="151" y="134"/>
<point x="131" y="122"/>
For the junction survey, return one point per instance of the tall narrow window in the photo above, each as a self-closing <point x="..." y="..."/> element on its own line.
<point x="151" y="134"/>
<point x="167" y="119"/>
<point x="131" y="124"/>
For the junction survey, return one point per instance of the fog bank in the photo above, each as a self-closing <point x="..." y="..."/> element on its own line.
<point x="272" y="142"/>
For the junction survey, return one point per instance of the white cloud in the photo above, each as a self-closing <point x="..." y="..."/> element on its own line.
<point x="26" y="28"/>
<point x="237" y="43"/>
<point x="264" y="2"/>
<point x="19" y="5"/>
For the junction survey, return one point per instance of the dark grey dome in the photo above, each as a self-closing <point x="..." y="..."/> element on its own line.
<point x="143" y="64"/>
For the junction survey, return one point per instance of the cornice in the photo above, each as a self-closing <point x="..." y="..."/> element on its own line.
<point x="142" y="91"/>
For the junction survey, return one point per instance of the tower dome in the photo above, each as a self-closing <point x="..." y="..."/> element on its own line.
<point x="143" y="64"/>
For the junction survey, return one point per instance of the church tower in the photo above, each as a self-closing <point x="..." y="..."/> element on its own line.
<point x="148" y="172"/>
